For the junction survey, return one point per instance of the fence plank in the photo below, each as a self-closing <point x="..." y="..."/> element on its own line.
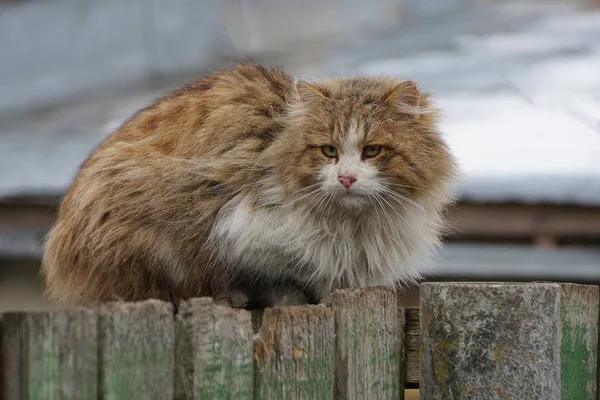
<point x="214" y="356"/>
<point x="294" y="354"/>
<point x="579" y="341"/>
<point x="13" y="381"/>
<point x="50" y="355"/>
<point x="367" y="344"/>
<point x="509" y="340"/>
<point x="137" y="350"/>
<point x="412" y="346"/>
<point x="2" y="368"/>
<point x="401" y="335"/>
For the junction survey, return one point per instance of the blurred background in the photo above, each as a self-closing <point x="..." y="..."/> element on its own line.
<point x="518" y="82"/>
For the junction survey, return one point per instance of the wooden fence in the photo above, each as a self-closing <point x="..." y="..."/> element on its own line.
<point x="474" y="341"/>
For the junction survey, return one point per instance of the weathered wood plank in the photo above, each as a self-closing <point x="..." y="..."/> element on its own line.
<point x="137" y="350"/>
<point x="412" y="346"/>
<point x="214" y="356"/>
<point x="2" y="377"/>
<point x="401" y="317"/>
<point x="367" y="343"/>
<point x="12" y="333"/>
<point x="294" y="354"/>
<point x="579" y="341"/>
<point x="78" y="353"/>
<point x="477" y="337"/>
<point x="50" y="355"/>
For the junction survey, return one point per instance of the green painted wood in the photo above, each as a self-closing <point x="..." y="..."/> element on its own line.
<point x="509" y="340"/>
<point x="294" y="354"/>
<point x="214" y="352"/>
<point x="137" y="350"/>
<point x="41" y="357"/>
<point x="367" y="344"/>
<point x="579" y="341"/>
<point x="50" y="355"/>
<point x="77" y="334"/>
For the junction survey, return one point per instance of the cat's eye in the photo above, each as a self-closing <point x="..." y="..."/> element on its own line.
<point x="329" y="151"/>
<point x="371" y="151"/>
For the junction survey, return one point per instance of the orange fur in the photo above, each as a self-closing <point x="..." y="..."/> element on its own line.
<point x="137" y="218"/>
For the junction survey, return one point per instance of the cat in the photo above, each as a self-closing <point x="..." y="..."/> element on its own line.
<point x="257" y="189"/>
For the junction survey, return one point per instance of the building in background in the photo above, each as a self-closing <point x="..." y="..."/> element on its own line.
<point x="517" y="83"/>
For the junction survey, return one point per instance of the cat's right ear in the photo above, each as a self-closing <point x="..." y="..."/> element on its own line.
<point x="306" y="91"/>
<point x="407" y="98"/>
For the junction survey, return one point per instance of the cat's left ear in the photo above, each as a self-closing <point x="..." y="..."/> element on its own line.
<point x="407" y="97"/>
<point x="307" y="91"/>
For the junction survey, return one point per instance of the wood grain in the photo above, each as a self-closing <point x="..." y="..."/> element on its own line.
<point x="412" y="346"/>
<point x="137" y="350"/>
<point x="367" y="344"/>
<point x="214" y="352"/>
<point x="294" y="354"/>
<point x="50" y="355"/>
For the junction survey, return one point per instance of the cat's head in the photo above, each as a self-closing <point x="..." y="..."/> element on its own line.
<point x="360" y="141"/>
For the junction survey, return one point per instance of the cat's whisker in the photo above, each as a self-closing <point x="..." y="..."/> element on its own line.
<point x="388" y="218"/>
<point x="317" y="203"/>
<point x="308" y="187"/>
<point x="304" y="196"/>
<point x="331" y="201"/>
<point x="328" y="204"/>
<point x="426" y="191"/>
<point x="381" y="207"/>
<point x="429" y="213"/>
<point x="392" y="180"/>
<point x="394" y="209"/>
<point x="403" y="199"/>
<point x="398" y="213"/>
<point x="402" y="203"/>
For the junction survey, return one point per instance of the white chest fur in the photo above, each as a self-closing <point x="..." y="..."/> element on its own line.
<point x="376" y="249"/>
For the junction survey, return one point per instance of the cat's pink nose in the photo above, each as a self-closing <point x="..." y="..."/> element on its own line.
<point x="346" y="180"/>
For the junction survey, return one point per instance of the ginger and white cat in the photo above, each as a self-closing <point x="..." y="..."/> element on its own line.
<point x="256" y="189"/>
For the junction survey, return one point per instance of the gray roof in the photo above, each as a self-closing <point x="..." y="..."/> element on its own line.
<point x="55" y="50"/>
<point x="517" y="83"/>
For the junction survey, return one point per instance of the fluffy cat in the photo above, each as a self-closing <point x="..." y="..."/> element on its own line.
<point x="258" y="190"/>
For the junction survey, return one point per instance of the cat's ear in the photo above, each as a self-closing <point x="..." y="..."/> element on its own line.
<point x="307" y="91"/>
<point x="407" y="98"/>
